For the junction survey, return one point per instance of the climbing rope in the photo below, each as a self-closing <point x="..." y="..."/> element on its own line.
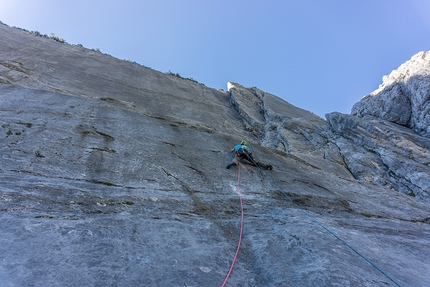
<point x="241" y="227"/>
<point x="320" y="224"/>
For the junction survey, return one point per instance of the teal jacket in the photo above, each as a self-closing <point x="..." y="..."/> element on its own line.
<point x="244" y="147"/>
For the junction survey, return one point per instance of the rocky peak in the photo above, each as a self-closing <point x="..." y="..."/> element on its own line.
<point x="386" y="137"/>
<point x="403" y="97"/>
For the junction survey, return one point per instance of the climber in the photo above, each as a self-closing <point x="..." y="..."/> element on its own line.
<point x="242" y="151"/>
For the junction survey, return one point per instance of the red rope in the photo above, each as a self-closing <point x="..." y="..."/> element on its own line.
<point x="241" y="227"/>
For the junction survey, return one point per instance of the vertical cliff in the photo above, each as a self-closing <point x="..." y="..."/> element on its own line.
<point x="113" y="174"/>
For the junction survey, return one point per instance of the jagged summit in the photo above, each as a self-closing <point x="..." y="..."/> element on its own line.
<point x="403" y="97"/>
<point x="113" y="174"/>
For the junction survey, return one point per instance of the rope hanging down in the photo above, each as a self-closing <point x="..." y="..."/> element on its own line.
<point x="241" y="227"/>
<point x="325" y="228"/>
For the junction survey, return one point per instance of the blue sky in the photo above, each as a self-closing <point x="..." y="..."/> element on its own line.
<point x="319" y="55"/>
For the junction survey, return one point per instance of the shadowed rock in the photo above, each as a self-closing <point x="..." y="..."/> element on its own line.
<point x="403" y="97"/>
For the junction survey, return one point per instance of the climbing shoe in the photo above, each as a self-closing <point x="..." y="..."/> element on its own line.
<point x="269" y="167"/>
<point x="229" y="166"/>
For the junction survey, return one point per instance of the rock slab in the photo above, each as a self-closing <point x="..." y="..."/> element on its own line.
<point x="113" y="174"/>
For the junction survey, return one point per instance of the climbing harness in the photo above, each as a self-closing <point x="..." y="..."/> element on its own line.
<point x="240" y="229"/>
<point x="325" y="228"/>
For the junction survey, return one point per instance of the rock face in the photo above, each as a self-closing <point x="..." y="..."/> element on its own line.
<point x="403" y="97"/>
<point x="383" y="152"/>
<point x="113" y="174"/>
<point x="373" y="139"/>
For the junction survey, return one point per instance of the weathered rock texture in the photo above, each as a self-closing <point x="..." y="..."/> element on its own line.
<point x="373" y="139"/>
<point x="403" y="97"/>
<point x="384" y="153"/>
<point x="113" y="174"/>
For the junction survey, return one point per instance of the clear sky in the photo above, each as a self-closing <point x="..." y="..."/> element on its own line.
<point x="319" y="55"/>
